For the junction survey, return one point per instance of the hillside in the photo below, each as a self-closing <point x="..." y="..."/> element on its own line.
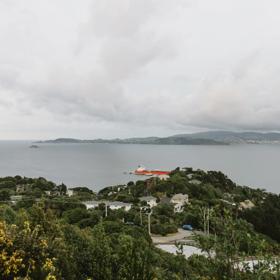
<point x="76" y="234"/>
<point x="149" y="140"/>
<point x="235" y="137"/>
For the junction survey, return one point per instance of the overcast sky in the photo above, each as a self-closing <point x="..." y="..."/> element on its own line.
<point x="107" y="68"/>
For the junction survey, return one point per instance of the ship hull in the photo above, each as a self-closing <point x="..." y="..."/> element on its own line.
<point x="151" y="172"/>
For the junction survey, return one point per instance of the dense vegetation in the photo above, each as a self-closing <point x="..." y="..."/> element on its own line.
<point x="45" y="234"/>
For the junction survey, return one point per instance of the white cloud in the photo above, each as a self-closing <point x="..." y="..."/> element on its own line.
<point x="123" y="68"/>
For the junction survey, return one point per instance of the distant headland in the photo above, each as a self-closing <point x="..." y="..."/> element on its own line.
<point x="201" y="138"/>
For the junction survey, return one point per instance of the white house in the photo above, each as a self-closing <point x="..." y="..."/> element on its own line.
<point x="92" y="204"/>
<point x="48" y="192"/>
<point x="113" y="205"/>
<point x="179" y="200"/>
<point x="70" y="192"/>
<point x="178" y="208"/>
<point x="151" y="201"/>
<point x="163" y="177"/>
<point x="190" y="176"/>
<point x="20" y="189"/>
<point x="246" y="204"/>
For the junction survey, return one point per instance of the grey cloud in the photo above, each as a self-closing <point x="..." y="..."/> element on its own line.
<point x="174" y="66"/>
<point x="245" y="98"/>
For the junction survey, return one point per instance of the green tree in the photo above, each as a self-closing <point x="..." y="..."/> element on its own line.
<point x="135" y="259"/>
<point x="7" y="214"/>
<point x="75" y="215"/>
<point x="232" y="241"/>
<point x="4" y="195"/>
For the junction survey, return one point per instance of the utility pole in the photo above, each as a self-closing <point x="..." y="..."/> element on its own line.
<point x="209" y="211"/>
<point x="149" y="217"/>
<point x="208" y="218"/>
<point x="204" y="220"/>
<point x="149" y="222"/>
<point x="141" y="219"/>
<point x="106" y="209"/>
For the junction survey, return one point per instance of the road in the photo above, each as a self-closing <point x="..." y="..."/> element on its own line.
<point x="181" y="235"/>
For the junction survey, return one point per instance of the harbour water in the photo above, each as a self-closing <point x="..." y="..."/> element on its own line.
<point x="100" y="165"/>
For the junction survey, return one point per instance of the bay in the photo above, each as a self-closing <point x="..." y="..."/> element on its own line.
<point x="99" y="165"/>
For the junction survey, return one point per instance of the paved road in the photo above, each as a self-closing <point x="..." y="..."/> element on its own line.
<point x="181" y="235"/>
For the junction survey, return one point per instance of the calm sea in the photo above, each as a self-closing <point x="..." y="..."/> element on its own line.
<point x="100" y="165"/>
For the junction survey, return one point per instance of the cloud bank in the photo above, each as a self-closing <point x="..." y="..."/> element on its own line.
<point x="134" y="68"/>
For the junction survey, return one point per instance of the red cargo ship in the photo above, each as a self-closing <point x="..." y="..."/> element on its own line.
<point x="143" y="171"/>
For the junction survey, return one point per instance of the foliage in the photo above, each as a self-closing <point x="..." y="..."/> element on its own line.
<point x="48" y="235"/>
<point x="24" y="253"/>
<point x="259" y="216"/>
<point x="232" y="241"/>
<point x="4" y="195"/>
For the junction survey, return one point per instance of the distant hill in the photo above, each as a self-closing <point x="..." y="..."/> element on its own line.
<point x="236" y="137"/>
<point x="150" y="140"/>
<point x="201" y="138"/>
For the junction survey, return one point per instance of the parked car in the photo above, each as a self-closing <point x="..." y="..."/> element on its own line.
<point x="187" y="227"/>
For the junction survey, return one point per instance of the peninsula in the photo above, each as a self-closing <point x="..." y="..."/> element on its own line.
<point x="201" y="138"/>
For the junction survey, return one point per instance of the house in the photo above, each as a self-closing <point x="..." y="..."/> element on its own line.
<point x="113" y="205"/>
<point x="246" y="204"/>
<point x="70" y="192"/>
<point x="20" y="188"/>
<point x="15" y="198"/>
<point x="121" y="187"/>
<point x="163" y="177"/>
<point x="56" y="191"/>
<point x="93" y="203"/>
<point x="111" y="193"/>
<point x="195" y="182"/>
<point x="179" y="200"/>
<point x="48" y="192"/>
<point x="150" y="200"/>
<point x="190" y="176"/>
<point x="178" y="208"/>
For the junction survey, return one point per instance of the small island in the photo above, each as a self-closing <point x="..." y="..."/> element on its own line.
<point x="34" y="146"/>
